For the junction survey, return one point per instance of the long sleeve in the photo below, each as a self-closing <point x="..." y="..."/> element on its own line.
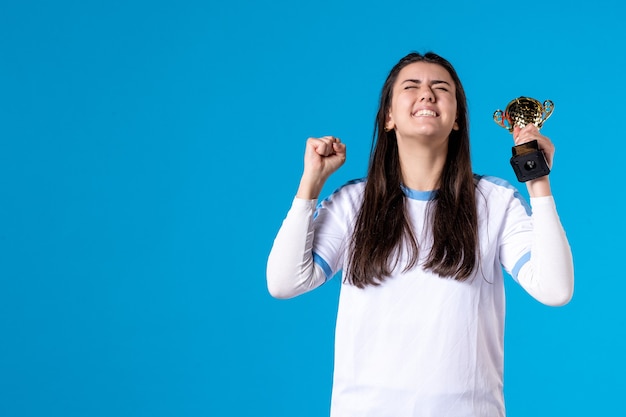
<point x="549" y="275"/>
<point x="290" y="267"/>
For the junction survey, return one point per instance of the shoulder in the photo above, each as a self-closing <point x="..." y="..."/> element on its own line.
<point x="491" y="184"/>
<point x="341" y="206"/>
<point x="498" y="191"/>
<point x="351" y="191"/>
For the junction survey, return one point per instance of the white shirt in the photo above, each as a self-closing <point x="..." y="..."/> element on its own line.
<point x="418" y="344"/>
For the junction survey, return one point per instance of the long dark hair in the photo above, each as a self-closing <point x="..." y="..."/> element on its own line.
<point x="382" y="227"/>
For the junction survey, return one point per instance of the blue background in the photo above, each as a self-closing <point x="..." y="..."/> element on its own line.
<point x="150" y="150"/>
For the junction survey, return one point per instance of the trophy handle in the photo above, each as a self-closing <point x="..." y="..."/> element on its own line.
<point x="502" y="119"/>
<point x="548" y="108"/>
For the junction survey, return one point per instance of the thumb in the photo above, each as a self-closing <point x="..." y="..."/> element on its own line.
<point x="339" y="148"/>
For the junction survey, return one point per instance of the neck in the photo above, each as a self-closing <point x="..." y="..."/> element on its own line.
<point x="422" y="165"/>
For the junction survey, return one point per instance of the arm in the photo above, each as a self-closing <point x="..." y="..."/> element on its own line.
<point x="290" y="267"/>
<point x="549" y="276"/>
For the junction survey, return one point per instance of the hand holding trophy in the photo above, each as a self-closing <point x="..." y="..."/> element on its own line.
<point x="528" y="160"/>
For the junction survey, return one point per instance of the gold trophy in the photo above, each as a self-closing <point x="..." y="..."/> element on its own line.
<point x="528" y="160"/>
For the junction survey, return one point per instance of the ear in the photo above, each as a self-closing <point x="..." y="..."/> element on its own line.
<point x="455" y="126"/>
<point x="389" y="124"/>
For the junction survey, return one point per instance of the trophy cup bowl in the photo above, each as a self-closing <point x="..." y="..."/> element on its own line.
<point x="528" y="160"/>
<point x="522" y="111"/>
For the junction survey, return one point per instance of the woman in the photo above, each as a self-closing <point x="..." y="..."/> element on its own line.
<point x="422" y="242"/>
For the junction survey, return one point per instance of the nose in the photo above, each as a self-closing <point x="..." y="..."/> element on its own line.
<point x="426" y="94"/>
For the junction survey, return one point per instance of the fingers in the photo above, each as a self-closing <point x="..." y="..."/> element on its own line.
<point x="327" y="145"/>
<point x="531" y="132"/>
<point x="526" y="134"/>
<point x="323" y="156"/>
<point x="340" y="149"/>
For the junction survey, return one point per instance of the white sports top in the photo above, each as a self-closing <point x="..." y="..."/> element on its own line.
<point x="418" y="344"/>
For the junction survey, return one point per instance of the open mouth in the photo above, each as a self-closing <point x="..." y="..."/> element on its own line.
<point x="426" y="113"/>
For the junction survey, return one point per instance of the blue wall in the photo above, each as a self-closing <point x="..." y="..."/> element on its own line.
<point x="150" y="150"/>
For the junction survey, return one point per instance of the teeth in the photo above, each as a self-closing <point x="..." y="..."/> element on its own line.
<point x="426" y="113"/>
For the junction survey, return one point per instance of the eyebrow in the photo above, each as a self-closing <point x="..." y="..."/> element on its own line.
<point x="433" y="82"/>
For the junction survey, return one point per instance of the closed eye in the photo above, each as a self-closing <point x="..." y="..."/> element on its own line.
<point x="441" y="85"/>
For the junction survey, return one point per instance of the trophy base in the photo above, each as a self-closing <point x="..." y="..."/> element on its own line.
<point x="528" y="162"/>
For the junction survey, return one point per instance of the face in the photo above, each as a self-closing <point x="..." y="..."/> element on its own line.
<point x="423" y="103"/>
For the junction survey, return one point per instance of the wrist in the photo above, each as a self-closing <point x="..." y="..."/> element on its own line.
<point x="309" y="188"/>
<point x="539" y="187"/>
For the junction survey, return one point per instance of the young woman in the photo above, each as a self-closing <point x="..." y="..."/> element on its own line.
<point x="422" y="242"/>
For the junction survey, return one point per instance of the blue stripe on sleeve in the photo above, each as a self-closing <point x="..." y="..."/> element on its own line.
<point x="325" y="267"/>
<point x="522" y="261"/>
<point x="504" y="183"/>
<point x="319" y="204"/>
